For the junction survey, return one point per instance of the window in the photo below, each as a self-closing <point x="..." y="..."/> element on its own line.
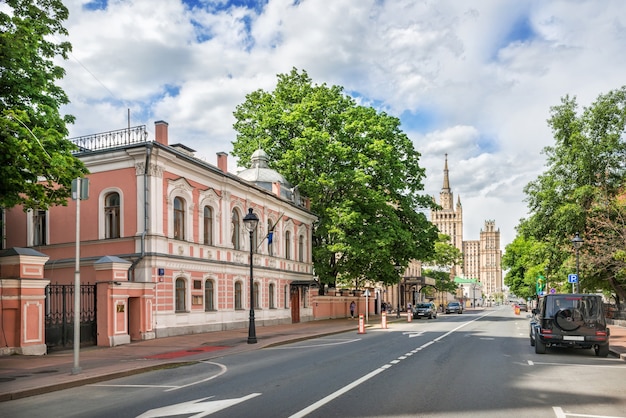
<point x="235" y="228"/>
<point x="238" y="295"/>
<point x="179" y="218"/>
<point x="181" y="295"/>
<point x="270" y="237"/>
<point x="209" y="296"/>
<point x="288" y="245"/>
<point x="208" y="225"/>
<point x="112" y="215"/>
<point x="255" y="296"/>
<point x="271" y="291"/>
<point x="39" y="227"/>
<point x="301" y="248"/>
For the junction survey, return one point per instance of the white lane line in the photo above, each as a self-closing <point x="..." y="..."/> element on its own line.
<point x="304" y="412"/>
<point x="223" y="369"/>
<point x="612" y="366"/>
<point x="323" y="344"/>
<point x="558" y="411"/>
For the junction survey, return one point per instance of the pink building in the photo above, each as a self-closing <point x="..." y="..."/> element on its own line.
<point x="163" y="244"/>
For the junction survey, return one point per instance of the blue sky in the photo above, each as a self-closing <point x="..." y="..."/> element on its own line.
<point x="473" y="79"/>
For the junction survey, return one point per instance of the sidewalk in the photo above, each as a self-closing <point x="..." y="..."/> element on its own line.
<point x="22" y="376"/>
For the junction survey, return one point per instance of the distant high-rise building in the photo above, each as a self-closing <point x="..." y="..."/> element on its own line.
<point x="482" y="257"/>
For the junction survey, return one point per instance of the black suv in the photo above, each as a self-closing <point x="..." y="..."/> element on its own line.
<point x="569" y="320"/>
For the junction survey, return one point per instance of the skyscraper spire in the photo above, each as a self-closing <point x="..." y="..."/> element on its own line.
<point x="446" y="180"/>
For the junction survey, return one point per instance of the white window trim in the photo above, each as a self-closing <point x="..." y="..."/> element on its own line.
<point x="101" y="214"/>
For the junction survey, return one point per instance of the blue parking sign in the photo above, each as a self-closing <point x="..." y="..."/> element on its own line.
<point x="572" y="278"/>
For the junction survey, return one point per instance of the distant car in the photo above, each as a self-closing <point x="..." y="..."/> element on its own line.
<point x="522" y="306"/>
<point x="454" y="307"/>
<point x="570" y="320"/>
<point x="425" y="310"/>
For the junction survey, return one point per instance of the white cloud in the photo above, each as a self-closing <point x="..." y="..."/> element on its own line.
<point x="482" y="75"/>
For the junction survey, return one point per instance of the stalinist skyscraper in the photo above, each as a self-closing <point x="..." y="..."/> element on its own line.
<point x="481" y="258"/>
<point x="449" y="220"/>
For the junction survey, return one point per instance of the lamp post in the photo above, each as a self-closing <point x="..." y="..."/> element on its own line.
<point x="577" y="241"/>
<point x="251" y="221"/>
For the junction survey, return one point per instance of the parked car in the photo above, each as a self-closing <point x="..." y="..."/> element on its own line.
<point x="454" y="307"/>
<point x="425" y="310"/>
<point x="522" y="306"/>
<point x="570" y="320"/>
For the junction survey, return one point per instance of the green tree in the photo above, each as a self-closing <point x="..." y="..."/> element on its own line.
<point x="585" y="167"/>
<point x="359" y="169"/>
<point x="439" y="265"/>
<point x="36" y="161"/>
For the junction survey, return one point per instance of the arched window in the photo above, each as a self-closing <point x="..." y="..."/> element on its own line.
<point x="271" y="295"/>
<point x="238" y="295"/>
<point x="255" y="296"/>
<point x="181" y="295"/>
<point x="288" y="245"/>
<point x="208" y="225"/>
<point x="112" y="215"/>
<point x="235" y="228"/>
<point x="270" y="238"/>
<point x="209" y="295"/>
<point x="301" y="248"/>
<point x="179" y="218"/>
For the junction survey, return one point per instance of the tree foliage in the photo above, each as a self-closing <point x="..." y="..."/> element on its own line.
<point x="359" y="169"/>
<point x="36" y="162"/>
<point x="441" y="262"/>
<point x="577" y="193"/>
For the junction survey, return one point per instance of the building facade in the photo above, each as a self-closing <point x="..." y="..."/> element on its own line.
<point x="481" y="258"/>
<point x="171" y="228"/>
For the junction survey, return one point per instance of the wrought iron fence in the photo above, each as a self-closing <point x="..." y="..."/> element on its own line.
<point x="111" y="139"/>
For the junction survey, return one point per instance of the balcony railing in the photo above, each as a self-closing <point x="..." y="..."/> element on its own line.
<point x="111" y="139"/>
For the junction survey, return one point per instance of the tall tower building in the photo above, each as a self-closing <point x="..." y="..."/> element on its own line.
<point x="481" y="258"/>
<point x="449" y="220"/>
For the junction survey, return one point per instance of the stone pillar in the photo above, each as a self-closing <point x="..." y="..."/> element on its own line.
<point x="23" y="301"/>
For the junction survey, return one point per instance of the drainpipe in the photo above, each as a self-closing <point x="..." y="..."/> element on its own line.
<point x="146" y="218"/>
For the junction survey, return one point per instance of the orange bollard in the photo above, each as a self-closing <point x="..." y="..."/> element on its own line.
<point x="384" y="320"/>
<point x="361" y="324"/>
<point x="409" y="316"/>
<point x="517" y="310"/>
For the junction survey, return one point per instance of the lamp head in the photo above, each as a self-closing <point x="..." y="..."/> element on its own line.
<point x="250" y="220"/>
<point x="577" y="241"/>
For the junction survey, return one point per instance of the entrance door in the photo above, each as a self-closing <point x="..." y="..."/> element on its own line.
<point x="295" y="304"/>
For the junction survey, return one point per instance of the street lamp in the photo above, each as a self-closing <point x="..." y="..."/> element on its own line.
<point x="577" y="241"/>
<point x="251" y="221"/>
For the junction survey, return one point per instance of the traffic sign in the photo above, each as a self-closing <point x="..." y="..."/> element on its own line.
<point x="572" y="278"/>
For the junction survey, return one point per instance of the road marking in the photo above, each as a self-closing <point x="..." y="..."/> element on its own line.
<point x="197" y="407"/>
<point x="412" y="334"/>
<point x="612" y="366"/>
<point x="223" y="369"/>
<point x="337" y="342"/>
<point x="560" y="414"/>
<point x="304" y="412"/>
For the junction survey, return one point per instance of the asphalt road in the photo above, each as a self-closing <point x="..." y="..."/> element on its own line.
<point x="476" y="364"/>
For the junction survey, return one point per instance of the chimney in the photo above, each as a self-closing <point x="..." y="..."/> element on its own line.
<point x="160" y="132"/>
<point x="276" y="188"/>
<point x="222" y="161"/>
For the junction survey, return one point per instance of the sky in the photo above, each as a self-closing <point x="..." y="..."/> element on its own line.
<point x="473" y="79"/>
